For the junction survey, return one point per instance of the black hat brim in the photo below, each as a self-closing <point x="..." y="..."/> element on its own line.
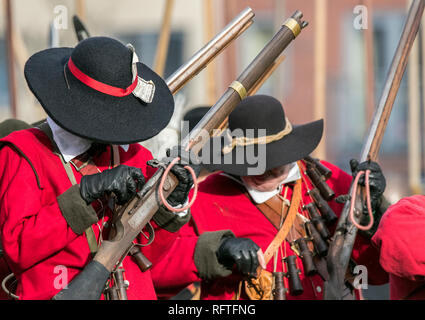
<point x="91" y="114"/>
<point x="301" y="142"/>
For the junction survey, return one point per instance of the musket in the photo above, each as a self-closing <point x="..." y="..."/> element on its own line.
<point x="134" y="216"/>
<point x="80" y="30"/>
<point x="343" y="239"/>
<point x="201" y="58"/>
<point x="266" y="75"/>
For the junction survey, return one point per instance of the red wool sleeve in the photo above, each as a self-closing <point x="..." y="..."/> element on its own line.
<point x="30" y="232"/>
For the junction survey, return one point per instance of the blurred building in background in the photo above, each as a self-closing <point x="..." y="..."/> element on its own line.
<point x="335" y="70"/>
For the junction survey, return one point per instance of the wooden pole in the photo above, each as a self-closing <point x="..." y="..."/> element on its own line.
<point x="230" y="56"/>
<point x="422" y="141"/>
<point x="80" y="9"/>
<point x="209" y="33"/>
<point x="164" y="39"/>
<point x="320" y="18"/>
<point x="11" y="58"/>
<point x="279" y="12"/>
<point x="20" y="50"/>
<point x="370" y="70"/>
<point x="414" y="120"/>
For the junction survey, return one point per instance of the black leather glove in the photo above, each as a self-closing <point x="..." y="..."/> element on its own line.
<point x="181" y="192"/>
<point x="123" y="181"/>
<point x="377" y="181"/>
<point x="241" y="252"/>
<point x="377" y="186"/>
<point x="187" y="158"/>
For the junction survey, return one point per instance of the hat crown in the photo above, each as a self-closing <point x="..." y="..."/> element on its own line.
<point x="105" y="60"/>
<point x="258" y="112"/>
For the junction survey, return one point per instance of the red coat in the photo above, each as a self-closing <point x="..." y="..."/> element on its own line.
<point x="221" y="205"/>
<point x="35" y="236"/>
<point x="401" y="240"/>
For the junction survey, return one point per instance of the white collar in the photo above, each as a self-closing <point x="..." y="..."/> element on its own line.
<point x="262" y="196"/>
<point x="70" y="145"/>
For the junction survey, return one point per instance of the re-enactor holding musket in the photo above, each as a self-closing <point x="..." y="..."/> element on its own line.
<point x="83" y="164"/>
<point x="58" y="180"/>
<point x="288" y="211"/>
<point x="265" y="235"/>
<point x="401" y="233"/>
<point x="135" y="215"/>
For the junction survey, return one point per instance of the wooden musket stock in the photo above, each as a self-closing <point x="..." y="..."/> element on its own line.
<point x="131" y="220"/>
<point x="341" y="247"/>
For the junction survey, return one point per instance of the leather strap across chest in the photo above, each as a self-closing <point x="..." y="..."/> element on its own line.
<point x="84" y="165"/>
<point x="272" y="210"/>
<point x="288" y="223"/>
<point x="276" y="210"/>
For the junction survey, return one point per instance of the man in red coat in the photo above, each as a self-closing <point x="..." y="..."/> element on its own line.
<point x="59" y="183"/>
<point x="400" y="239"/>
<point x="244" y="217"/>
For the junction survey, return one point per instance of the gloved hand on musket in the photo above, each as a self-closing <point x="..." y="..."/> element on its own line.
<point x="123" y="181"/>
<point x="242" y="253"/>
<point x="377" y="184"/>
<point x="180" y="194"/>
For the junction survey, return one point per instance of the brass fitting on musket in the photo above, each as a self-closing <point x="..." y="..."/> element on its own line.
<point x="295" y="24"/>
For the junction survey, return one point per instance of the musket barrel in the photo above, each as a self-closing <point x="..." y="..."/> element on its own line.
<point x="395" y="75"/>
<point x="374" y="138"/>
<point x="80" y="30"/>
<point x="341" y="247"/>
<point x="249" y="77"/>
<point x="200" y="59"/>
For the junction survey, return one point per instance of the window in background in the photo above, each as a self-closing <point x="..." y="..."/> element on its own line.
<point x="146" y="43"/>
<point x="347" y="112"/>
<point x="4" y="89"/>
<point x="345" y="95"/>
<point x="388" y="28"/>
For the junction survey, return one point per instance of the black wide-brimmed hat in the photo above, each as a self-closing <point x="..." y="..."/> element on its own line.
<point x="100" y="91"/>
<point x="258" y="129"/>
<point x="194" y="115"/>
